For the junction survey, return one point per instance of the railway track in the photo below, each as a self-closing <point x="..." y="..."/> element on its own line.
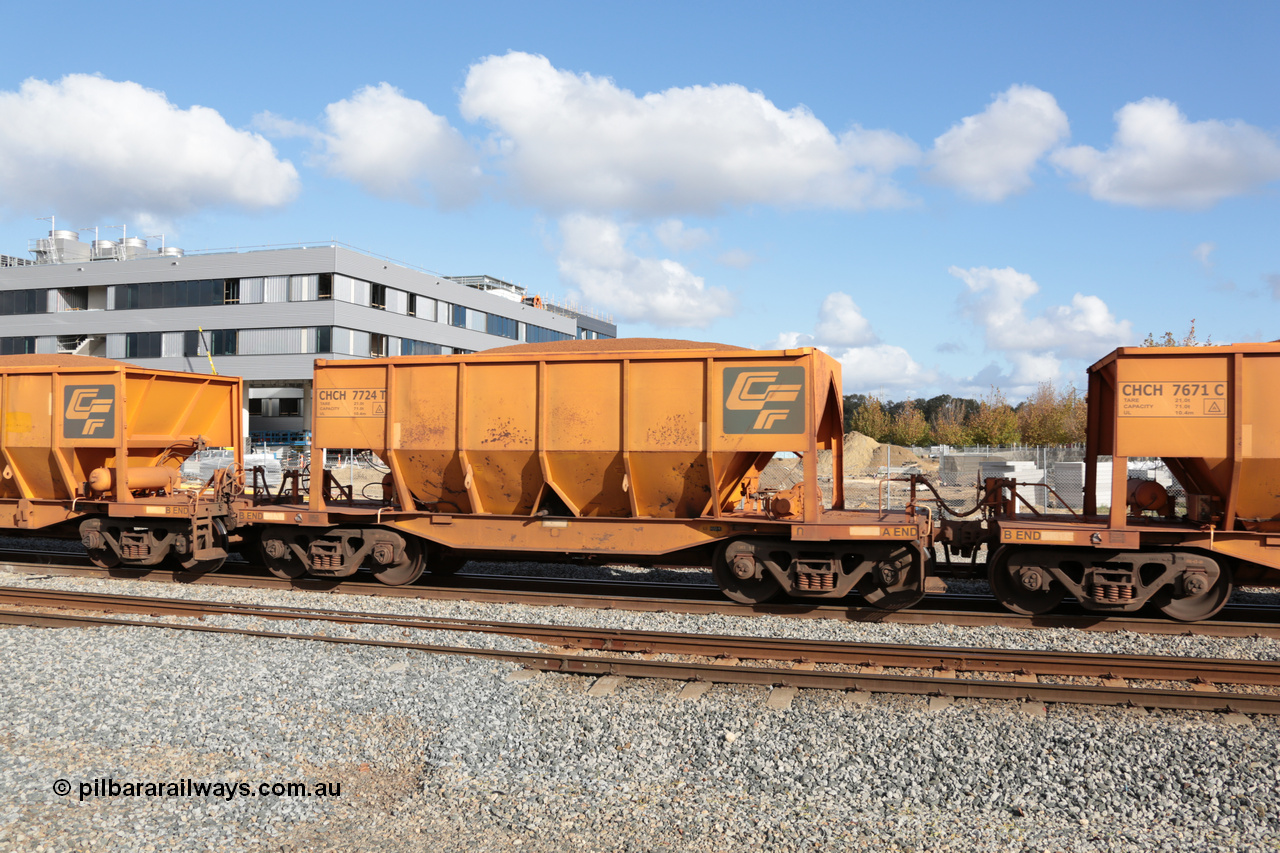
<point x="944" y="673"/>
<point x="953" y="609"/>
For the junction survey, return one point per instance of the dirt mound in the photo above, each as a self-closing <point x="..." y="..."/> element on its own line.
<point x="782" y="473"/>
<point x="864" y="456"/>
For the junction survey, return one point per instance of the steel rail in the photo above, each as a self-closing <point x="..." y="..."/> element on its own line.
<point x="738" y="674"/>
<point x="847" y="612"/>
<point x="953" y="659"/>
<point x="559" y="592"/>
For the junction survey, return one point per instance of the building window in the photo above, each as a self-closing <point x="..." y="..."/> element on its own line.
<point x="17" y="346"/>
<point x="231" y="291"/>
<point x="325" y="290"/>
<point x="539" y="335"/>
<point x="304" y="288"/>
<point x="505" y="327"/>
<point x="217" y="342"/>
<point x="255" y="407"/>
<point x="24" y="301"/>
<point x="378" y="296"/>
<point x="290" y="407"/>
<point x="377" y="345"/>
<point x="72" y="299"/>
<point x="222" y="342"/>
<point x="174" y="294"/>
<point x="324" y="338"/>
<point x="144" y="345"/>
<point x="411" y="304"/>
<point x="411" y="347"/>
<point x="458" y="316"/>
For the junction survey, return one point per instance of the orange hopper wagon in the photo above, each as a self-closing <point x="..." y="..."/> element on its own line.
<point x="92" y="447"/>
<point x="630" y="450"/>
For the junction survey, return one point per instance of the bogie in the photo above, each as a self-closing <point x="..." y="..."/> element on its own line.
<point x="887" y="575"/>
<point x="291" y="552"/>
<point x="138" y="544"/>
<point x="1185" y="585"/>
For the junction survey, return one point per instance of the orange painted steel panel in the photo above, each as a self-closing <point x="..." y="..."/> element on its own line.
<point x="1211" y="412"/>
<point x="650" y="433"/>
<point x="62" y="417"/>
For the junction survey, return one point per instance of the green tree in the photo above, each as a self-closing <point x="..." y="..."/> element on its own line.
<point x="1076" y="421"/>
<point x="871" y="419"/>
<point x="1050" y="417"/>
<point x="948" y="423"/>
<point x="908" y="426"/>
<point x="852" y="402"/>
<point x="995" y="422"/>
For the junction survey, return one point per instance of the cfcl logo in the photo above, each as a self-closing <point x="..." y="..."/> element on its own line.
<point x="759" y="400"/>
<point x="89" y="411"/>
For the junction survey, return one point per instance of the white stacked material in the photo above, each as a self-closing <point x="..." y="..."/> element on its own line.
<point x="1025" y="473"/>
<point x="202" y="466"/>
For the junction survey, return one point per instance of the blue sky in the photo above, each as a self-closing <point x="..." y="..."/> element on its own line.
<point x="944" y="196"/>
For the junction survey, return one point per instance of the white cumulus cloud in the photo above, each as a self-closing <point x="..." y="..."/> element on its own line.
<point x="989" y="156"/>
<point x="867" y="363"/>
<point x="1158" y="158"/>
<point x="996" y="300"/>
<point x="86" y="146"/>
<point x="395" y="147"/>
<point x="841" y="324"/>
<point x="579" y="142"/>
<point x="597" y="262"/>
<point x="678" y="237"/>
<point x="1204" y="254"/>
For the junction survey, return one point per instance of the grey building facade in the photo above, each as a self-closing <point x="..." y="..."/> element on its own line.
<point x="264" y="315"/>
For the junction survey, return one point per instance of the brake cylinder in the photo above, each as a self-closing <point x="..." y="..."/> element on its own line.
<point x="151" y="478"/>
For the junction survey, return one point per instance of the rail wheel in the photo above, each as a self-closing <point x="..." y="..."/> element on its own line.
<point x="405" y="570"/>
<point x="1194" y="607"/>
<point x="741" y="576"/>
<point x="218" y="536"/>
<point x="101" y="554"/>
<point x="1031" y="591"/>
<point x="280" y="561"/>
<point x="894" y="588"/>
<point x="103" y="558"/>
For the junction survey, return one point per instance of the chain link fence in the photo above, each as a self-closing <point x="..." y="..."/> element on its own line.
<point x="1051" y="479"/>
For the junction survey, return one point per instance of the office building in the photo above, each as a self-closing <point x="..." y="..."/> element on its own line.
<point x="263" y="314"/>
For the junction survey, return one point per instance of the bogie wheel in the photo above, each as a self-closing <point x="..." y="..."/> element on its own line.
<point x="1193" y="608"/>
<point x="749" y="590"/>
<point x="405" y="570"/>
<point x="201" y="567"/>
<point x="100" y="552"/>
<point x="900" y="593"/>
<point x="104" y="557"/>
<point x="279" y="559"/>
<point x="1015" y="595"/>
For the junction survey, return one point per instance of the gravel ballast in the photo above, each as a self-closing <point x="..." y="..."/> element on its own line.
<point x="447" y="753"/>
